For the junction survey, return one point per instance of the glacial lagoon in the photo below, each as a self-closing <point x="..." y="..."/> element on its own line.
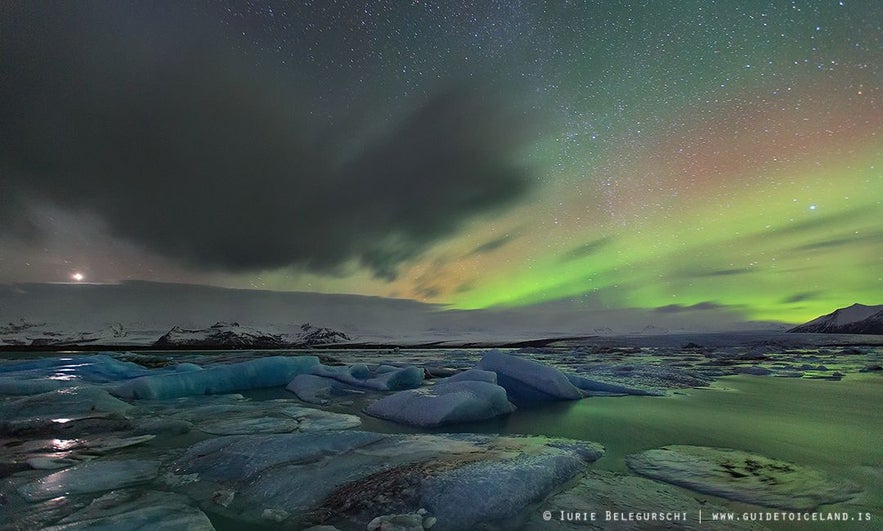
<point x="791" y="431"/>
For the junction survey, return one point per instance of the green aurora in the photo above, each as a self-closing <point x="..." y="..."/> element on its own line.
<point x="705" y="154"/>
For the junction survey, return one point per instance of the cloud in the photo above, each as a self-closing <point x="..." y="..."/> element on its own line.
<point x="211" y="157"/>
<point x="492" y="245"/>
<point x="700" y="306"/>
<point x="587" y="249"/>
<point x="800" y="297"/>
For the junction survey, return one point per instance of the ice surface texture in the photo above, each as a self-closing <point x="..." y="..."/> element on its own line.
<point x="741" y="476"/>
<point x="463" y="480"/>
<point x="47" y="374"/>
<point x="271" y="371"/>
<point x="444" y="403"/>
<point x="528" y="381"/>
<point x="384" y="378"/>
<point x="92" y="476"/>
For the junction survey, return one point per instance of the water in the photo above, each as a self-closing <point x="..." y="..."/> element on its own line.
<point x="834" y="426"/>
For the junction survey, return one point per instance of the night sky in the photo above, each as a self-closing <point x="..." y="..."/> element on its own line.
<point x="689" y="155"/>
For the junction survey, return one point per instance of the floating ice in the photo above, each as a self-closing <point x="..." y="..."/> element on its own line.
<point x="598" y="387"/>
<point x="528" y="381"/>
<point x="467" y="496"/>
<point x="58" y="408"/>
<point x="473" y="374"/>
<point x="385" y="378"/>
<point x="366" y="474"/>
<point x="742" y="476"/>
<point x="643" y="378"/>
<point x="253" y="374"/>
<point x="130" y="510"/>
<point x="48" y="374"/>
<point x="242" y="417"/>
<point x="92" y="476"/>
<point x="317" y="389"/>
<point x="444" y="403"/>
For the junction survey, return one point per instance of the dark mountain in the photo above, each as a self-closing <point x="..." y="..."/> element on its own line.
<point x="855" y="319"/>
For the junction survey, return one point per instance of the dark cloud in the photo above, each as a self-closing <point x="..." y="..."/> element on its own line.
<point x="800" y="297"/>
<point x="492" y="245"/>
<point x="587" y="249"/>
<point x="211" y="157"/>
<point x="701" y="306"/>
<point x="726" y="272"/>
<point x="863" y="238"/>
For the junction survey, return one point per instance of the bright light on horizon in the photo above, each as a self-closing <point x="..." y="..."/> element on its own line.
<point x="78" y="277"/>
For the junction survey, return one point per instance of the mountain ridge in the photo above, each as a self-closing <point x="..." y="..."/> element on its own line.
<point x="854" y="319"/>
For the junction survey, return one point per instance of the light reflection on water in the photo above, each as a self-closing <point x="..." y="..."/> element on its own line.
<point x="64" y="444"/>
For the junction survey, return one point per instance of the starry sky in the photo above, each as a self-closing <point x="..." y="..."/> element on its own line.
<point x="676" y="157"/>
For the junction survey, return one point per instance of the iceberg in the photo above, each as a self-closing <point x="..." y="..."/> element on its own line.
<point x="253" y="374"/>
<point x="444" y="403"/>
<point x="385" y="378"/>
<point x="318" y="390"/>
<point x="528" y="381"/>
<point x="473" y="374"/>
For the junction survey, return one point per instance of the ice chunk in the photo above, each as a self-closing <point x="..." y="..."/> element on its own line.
<point x="528" y="381"/>
<point x="132" y="510"/>
<point x="386" y="378"/>
<point x="253" y="374"/>
<point x="314" y="389"/>
<point x="597" y="386"/>
<point x="742" y="476"/>
<point x="496" y="490"/>
<point x="97" y="368"/>
<point x="92" y="476"/>
<point x="14" y="386"/>
<point x="267" y="416"/>
<point x="473" y="374"/>
<point x="444" y="403"/>
<point x="48" y="374"/>
<point x="242" y="458"/>
<point x="57" y="408"/>
<point x="365" y="474"/>
<point x="651" y="378"/>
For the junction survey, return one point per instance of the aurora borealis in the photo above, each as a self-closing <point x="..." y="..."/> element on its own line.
<point x="647" y="155"/>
